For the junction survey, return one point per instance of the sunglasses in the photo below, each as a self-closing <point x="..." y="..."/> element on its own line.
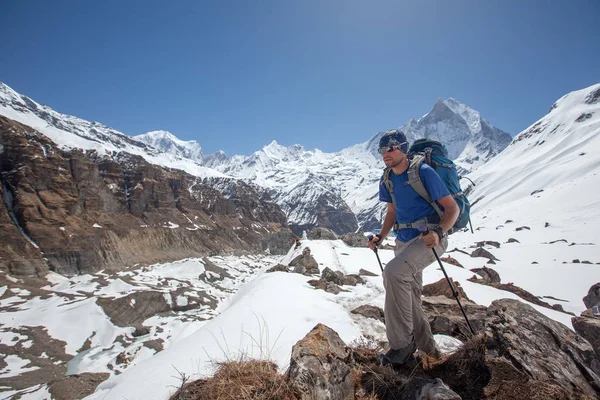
<point x="392" y="147"/>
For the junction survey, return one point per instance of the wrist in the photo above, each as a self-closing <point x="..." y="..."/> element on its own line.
<point x="440" y="232"/>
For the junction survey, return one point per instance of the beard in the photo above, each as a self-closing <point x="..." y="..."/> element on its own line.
<point x="394" y="163"/>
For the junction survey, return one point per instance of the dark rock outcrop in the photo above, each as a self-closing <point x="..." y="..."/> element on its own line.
<point x="442" y="288"/>
<point x="322" y="284"/>
<point x="76" y="386"/>
<point x="445" y="316"/>
<point x="364" y="272"/>
<point x="452" y="261"/>
<point x="487" y="274"/>
<point x="355" y="240"/>
<point x="279" y="268"/>
<point x="593" y="297"/>
<point x="318" y="366"/>
<point x="320" y="233"/>
<point x="589" y="329"/>
<point x="279" y="243"/>
<point x="481" y="252"/>
<point x="305" y="263"/>
<point x="370" y="311"/>
<point x="543" y="349"/>
<point x="74" y="212"/>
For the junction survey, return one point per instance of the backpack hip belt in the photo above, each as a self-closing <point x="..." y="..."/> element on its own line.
<point x="416" y="225"/>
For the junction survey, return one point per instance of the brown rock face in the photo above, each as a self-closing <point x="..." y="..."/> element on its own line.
<point x="488" y="274"/>
<point x="445" y="316"/>
<point x="542" y="348"/>
<point x="318" y="366"/>
<point x="593" y="296"/>
<point x="589" y="329"/>
<point x="441" y="288"/>
<point x="75" y="213"/>
<point x="76" y="386"/>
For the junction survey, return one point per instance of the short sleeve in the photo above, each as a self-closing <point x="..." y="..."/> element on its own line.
<point x="433" y="183"/>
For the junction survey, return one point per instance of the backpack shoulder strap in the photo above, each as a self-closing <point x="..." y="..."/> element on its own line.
<point x="414" y="180"/>
<point x="389" y="185"/>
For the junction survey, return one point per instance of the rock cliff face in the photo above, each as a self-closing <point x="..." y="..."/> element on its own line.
<point x="75" y="212"/>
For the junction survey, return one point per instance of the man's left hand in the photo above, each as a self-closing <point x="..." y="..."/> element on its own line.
<point x="431" y="239"/>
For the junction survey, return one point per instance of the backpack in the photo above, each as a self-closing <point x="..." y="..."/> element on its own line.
<point x="435" y="155"/>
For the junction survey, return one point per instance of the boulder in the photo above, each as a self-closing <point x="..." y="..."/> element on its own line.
<point x="76" y="386"/>
<point x="487" y="274"/>
<point x="442" y="288"/>
<point x="487" y="242"/>
<point x="333" y="276"/>
<point x="319" y="233"/>
<point x="542" y="348"/>
<point x="279" y="268"/>
<point x="306" y="263"/>
<point x="481" y="252"/>
<point x="445" y="317"/>
<point x="593" y="297"/>
<point x="364" y="272"/>
<point x="318" y="366"/>
<point x="322" y="284"/>
<point x="452" y="261"/>
<point x="589" y="329"/>
<point x="278" y="243"/>
<point x="355" y="240"/>
<point x="370" y="311"/>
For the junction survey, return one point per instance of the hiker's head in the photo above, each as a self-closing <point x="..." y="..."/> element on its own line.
<point x="393" y="146"/>
<point x="393" y="140"/>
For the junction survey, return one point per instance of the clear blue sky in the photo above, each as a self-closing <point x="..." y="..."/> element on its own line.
<point x="326" y="74"/>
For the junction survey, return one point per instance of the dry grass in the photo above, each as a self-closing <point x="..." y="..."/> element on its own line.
<point x="243" y="380"/>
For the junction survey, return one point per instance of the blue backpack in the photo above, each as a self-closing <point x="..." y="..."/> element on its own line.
<point x="435" y="155"/>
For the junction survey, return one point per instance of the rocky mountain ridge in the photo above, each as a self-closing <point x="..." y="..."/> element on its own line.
<point x="332" y="190"/>
<point x="74" y="211"/>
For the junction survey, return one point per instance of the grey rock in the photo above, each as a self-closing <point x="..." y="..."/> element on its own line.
<point x="370" y="311"/>
<point x="364" y="272"/>
<point x="355" y="240"/>
<point x="306" y="261"/>
<point x="542" y="348"/>
<point x="480" y="252"/>
<point x="333" y="276"/>
<point x="318" y="368"/>
<point x="593" y="297"/>
<point x="589" y="329"/>
<point x="487" y="274"/>
<point x="279" y="268"/>
<point x="445" y="316"/>
<point x="489" y="243"/>
<point x="319" y="233"/>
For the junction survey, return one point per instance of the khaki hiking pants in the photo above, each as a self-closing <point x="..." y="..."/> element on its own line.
<point x="403" y="282"/>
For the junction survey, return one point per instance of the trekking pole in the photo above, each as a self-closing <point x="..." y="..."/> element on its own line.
<point x="454" y="292"/>
<point x="370" y="237"/>
<point x="471" y="225"/>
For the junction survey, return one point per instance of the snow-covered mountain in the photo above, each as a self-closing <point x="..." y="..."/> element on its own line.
<point x="301" y="179"/>
<point x="169" y="143"/>
<point x="560" y="150"/>
<point x="333" y="190"/>
<point x="471" y="141"/>
<point x="71" y="132"/>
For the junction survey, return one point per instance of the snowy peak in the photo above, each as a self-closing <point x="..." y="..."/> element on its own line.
<point x="169" y="143"/>
<point x="471" y="117"/>
<point x="471" y="141"/>
<point x="557" y="151"/>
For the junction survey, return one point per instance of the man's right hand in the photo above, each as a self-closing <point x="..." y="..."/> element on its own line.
<point x="375" y="241"/>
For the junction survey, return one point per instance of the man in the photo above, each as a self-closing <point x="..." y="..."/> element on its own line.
<point x="407" y="327"/>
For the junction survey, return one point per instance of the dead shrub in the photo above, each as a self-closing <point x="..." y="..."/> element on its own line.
<point x="246" y="379"/>
<point x="466" y="371"/>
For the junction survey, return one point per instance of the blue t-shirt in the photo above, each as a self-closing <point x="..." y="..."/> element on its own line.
<point x="410" y="206"/>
